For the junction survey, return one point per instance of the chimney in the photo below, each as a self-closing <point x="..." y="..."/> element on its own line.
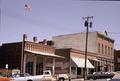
<point x="24" y="37"/>
<point x="34" y="39"/>
<point x="50" y="43"/>
<point x="45" y="41"/>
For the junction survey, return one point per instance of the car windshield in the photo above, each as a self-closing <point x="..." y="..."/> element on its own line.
<point x="27" y="74"/>
<point x="97" y="73"/>
<point x="46" y="73"/>
<point x="21" y="75"/>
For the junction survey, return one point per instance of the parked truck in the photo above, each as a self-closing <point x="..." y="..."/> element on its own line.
<point x="57" y="77"/>
<point x="47" y="76"/>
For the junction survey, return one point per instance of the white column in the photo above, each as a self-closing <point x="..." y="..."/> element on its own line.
<point x="24" y="65"/>
<point x="34" y="65"/>
<point x="53" y="66"/>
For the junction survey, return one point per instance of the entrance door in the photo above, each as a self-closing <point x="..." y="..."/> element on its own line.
<point x="39" y="65"/>
<point x="39" y="68"/>
<point x="29" y="64"/>
<point x="78" y="72"/>
<point x="29" y="68"/>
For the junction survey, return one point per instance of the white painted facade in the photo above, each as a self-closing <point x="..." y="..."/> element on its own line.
<point x="77" y="41"/>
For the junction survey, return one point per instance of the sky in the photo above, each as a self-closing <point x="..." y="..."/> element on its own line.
<point x="49" y="18"/>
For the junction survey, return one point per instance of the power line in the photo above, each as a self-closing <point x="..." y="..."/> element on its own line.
<point x="109" y="32"/>
<point x="113" y="32"/>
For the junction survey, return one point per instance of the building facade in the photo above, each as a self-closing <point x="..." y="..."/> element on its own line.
<point x="74" y="62"/>
<point x="117" y="60"/>
<point x="99" y="44"/>
<point x="28" y="57"/>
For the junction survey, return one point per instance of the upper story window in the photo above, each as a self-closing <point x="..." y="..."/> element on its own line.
<point x="108" y="50"/>
<point x="102" y="49"/>
<point x="105" y="50"/>
<point x="111" y="51"/>
<point x="99" y="48"/>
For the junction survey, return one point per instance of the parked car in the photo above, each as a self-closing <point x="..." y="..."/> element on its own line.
<point x="100" y="75"/>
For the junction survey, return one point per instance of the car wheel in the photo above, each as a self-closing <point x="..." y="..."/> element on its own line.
<point x="94" y="78"/>
<point x="29" y="80"/>
<point x="61" y="79"/>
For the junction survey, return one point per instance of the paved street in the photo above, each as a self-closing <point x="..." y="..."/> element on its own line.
<point x="87" y="80"/>
<point x="94" y="80"/>
<point x="115" y="78"/>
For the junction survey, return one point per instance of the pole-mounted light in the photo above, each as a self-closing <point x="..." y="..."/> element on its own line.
<point x="86" y="23"/>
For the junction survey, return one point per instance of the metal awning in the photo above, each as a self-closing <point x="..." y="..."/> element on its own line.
<point x="43" y="53"/>
<point x="80" y="62"/>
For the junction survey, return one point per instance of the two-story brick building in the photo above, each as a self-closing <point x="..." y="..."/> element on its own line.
<point x="34" y="57"/>
<point x="100" y="44"/>
<point x="117" y="60"/>
<point x="74" y="62"/>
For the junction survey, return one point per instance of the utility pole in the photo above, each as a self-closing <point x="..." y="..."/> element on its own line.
<point x="87" y="24"/>
<point x="23" y="54"/>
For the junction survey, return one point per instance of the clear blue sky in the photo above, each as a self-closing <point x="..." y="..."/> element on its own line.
<point x="57" y="17"/>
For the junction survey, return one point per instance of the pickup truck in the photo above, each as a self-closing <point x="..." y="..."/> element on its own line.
<point x="47" y="76"/>
<point x="26" y="77"/>
<point x="57" y="77"/>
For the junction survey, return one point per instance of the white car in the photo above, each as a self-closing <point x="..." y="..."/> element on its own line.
<point x="26" y="77"/>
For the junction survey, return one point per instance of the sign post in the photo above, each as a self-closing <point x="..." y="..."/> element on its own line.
<point x="6" y="67"/>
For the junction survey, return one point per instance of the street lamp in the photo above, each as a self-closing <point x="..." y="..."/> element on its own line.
<point x="87" y="24"/>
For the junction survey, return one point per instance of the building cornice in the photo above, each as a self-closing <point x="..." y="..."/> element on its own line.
<point x="105" y="37"/>
<point x="39" y="47"/>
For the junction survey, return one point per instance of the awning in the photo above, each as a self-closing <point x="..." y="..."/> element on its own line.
<point x="43" y="53"/>
<point x="94" y="60"/>
<point x="80" y="62"/>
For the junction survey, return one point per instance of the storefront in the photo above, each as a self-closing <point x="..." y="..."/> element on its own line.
<point x="36" y="61"/>
<point x="74" y="62"/>
<point x="33" y="59"/>
<point x="78" y="64"/>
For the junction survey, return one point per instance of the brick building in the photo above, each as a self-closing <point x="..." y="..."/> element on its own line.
<point x="100" y="44"/>
<point x="29" y="57"/>
<point x="117" y="60"/>
<point x="74" y="62"/>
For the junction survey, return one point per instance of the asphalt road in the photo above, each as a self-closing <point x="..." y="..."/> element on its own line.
<point x="115" y="78"/>
<point x="95" y="80"/>
<point x="87" y="80"/>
